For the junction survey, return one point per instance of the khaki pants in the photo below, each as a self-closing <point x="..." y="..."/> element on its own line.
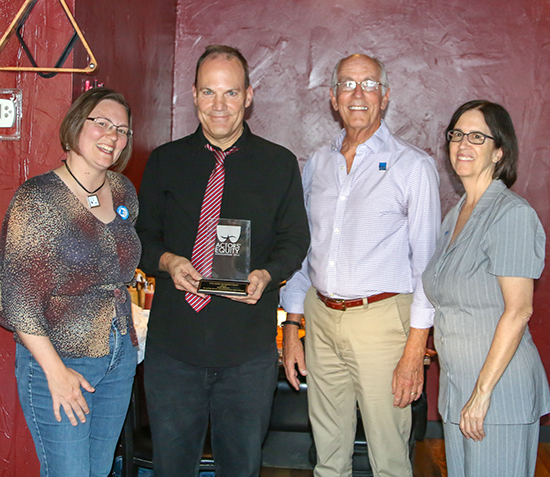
<point x="351" y="356"/>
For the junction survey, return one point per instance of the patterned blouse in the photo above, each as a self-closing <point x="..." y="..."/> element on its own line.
<point x="63" y="272"/>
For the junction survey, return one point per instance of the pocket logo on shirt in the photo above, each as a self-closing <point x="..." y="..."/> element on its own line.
<point x="382" y="166"/>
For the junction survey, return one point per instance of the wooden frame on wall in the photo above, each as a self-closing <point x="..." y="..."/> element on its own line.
<point x="47" y="72"/>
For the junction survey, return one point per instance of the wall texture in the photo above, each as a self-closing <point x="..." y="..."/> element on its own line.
<point x="134" y="44"/>
<point x="45" y="102"/>
<point x="438" y="56"/>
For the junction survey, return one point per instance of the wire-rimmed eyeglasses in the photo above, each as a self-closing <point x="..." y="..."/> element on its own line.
<point x="367" y="85"/>
<point x="106" y="124"/>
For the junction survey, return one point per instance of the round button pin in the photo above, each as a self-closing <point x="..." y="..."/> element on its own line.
<point x="123" y="212"/>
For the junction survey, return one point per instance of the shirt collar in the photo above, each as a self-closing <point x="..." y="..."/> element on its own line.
<point x="240" y="143"/>
<point x="491" y="193"/>
<point x="484" y="204"/>
<point x="496" y="187"/>
<point x="374" y="143"/>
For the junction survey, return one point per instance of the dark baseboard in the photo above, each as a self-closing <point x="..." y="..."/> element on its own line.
<point x="434" y="430"/>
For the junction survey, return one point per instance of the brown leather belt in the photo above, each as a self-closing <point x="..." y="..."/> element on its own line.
<point x="343" y="305"/>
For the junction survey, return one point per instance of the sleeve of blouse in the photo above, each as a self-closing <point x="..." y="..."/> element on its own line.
<point x="28" y="263"/>
<point x="516" y="243"/>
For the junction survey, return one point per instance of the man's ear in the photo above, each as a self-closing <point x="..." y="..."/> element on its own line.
<point x="385" y="99"/>
<point x="333" y="100"/>
<point x="249" y="93"/>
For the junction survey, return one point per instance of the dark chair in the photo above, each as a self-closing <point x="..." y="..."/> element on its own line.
<point x="289" y="437"/>
<point x="289" y="442"/>
<point x="136" y="446"/>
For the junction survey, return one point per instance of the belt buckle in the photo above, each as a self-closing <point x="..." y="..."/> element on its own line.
<point x="343" y="302"/>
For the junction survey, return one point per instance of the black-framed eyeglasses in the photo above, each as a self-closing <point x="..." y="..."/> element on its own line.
<point x="106" y="125"/>
<point x="474" y="137"/>
<point x="367" y="85"/>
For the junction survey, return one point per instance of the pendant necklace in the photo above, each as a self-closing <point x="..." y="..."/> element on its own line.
<point x="92" y="198"/>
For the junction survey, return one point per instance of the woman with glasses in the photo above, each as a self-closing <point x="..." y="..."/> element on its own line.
<point x="493" y="387"/>
<point x="67" y="250"/>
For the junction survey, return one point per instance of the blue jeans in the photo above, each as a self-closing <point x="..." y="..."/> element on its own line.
<point x="181" y="398"/>
<point x="87" y="449"/>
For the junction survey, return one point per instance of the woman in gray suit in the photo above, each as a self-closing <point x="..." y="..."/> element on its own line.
<point x="493" y="387"/>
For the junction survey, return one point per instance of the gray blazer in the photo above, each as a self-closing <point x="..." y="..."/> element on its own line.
<point x="503" y="237"/>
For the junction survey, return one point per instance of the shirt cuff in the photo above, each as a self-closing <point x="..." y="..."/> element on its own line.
<point x="421" y="318"/>
<point x="292" y="302"/>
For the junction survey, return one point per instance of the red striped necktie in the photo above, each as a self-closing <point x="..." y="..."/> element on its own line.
<point x="203" y="250"/>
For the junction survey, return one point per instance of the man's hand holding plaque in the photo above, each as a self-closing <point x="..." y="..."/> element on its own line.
<point x="183" y="274"/>
<point x="258" y="281"/>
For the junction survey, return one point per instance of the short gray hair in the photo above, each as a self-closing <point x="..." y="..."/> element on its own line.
<point x="383" y="74"/>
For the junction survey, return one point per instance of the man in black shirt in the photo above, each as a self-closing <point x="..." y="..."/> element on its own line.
<point x="220" y="362"/>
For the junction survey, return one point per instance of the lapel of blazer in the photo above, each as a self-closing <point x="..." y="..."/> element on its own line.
<point x="485" y="204"/>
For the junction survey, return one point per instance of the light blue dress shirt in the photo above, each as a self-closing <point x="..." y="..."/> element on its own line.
<point x="372" y="230"/>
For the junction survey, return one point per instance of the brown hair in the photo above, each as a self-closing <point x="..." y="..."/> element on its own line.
<point x="502" y="130"/>
<point x="71" y="127"/>
<point x="229" y="52"/>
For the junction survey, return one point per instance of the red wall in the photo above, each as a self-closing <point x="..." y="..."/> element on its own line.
<point x="134" y="47"/>
<point x="45" y="101"/>
<point x="438" y="55"/>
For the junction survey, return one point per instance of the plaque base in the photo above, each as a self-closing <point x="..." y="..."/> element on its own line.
<point x="220" y="286"/>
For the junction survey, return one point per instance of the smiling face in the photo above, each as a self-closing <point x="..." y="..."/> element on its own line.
<point x="361" y="111"/>
<point x="474" y="161"/>
<point x="221" y="98"/>
<point x="100" y="149"/>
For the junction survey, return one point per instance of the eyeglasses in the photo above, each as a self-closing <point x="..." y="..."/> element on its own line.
<point x="367" y="85"/>
<point x="106" y="125"/>
<point x="474" y="137"/>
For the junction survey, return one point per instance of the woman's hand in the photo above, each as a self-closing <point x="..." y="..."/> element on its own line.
<point x="517" y="293"/>
<point x="64" y="385"/>
<point x="473" y="415"/>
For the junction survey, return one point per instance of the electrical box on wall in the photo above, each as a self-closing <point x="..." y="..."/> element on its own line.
<point x="10" y="114"/>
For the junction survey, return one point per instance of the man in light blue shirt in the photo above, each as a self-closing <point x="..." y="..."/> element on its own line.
<point x="374" y="214"/>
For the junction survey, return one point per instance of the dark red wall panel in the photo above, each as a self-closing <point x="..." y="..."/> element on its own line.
<point x="45" y="102"/>
<point x="438" y="55"/>
<point x="134" y="46"/>
<point x="133" y="43"/>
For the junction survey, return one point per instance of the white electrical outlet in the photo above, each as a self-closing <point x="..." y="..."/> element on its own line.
<point x="7" y="113"/>
<point x="11" y="102"/>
